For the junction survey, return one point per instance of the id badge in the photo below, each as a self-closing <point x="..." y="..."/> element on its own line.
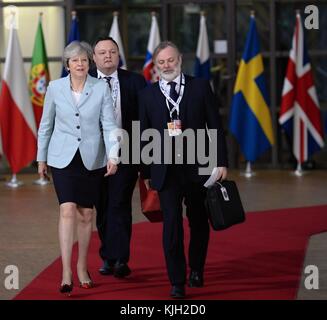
<point x="174" y="128"/>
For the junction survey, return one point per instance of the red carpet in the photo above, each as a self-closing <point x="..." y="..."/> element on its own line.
<point x="259" y="259"/>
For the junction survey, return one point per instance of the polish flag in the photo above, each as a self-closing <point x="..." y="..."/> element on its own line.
<point x="17" y="123"/>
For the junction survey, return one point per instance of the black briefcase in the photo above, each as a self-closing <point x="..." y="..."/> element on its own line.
<point x="224" y="205"/>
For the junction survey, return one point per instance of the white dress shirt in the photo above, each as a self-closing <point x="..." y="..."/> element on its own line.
<point x="117" y="106"/>
<point x="166" y="86"/>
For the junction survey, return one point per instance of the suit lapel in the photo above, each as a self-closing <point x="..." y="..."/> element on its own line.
<point x="161" y="101"/>
<point x="67" y="92"/>
<point x="123" y="96"/>
<point x="184" y="101"/>
<point x="87" y="90"/>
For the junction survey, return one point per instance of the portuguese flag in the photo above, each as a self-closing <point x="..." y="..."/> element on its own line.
<point x="39" y="74"/>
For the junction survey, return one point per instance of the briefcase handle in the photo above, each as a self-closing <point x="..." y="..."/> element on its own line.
<point x="223" y="190"/>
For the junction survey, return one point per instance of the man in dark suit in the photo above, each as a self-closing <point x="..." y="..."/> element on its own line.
<point x="179" y="102"/>
<point x="114" y="209"/>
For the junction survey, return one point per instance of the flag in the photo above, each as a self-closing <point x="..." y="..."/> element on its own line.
<point x="300" y="115"/>
<point x="115" y="34"/>
<point x="149" y="71"/>
<point x="150" y="203"/>
<point x="1" y="149"/>
<point x="202" y="60"/>
<point x="17" y="121"/>
<point x="73" y="36"/>
<point x="39" y="74"/>
<point x="250" y="119"/>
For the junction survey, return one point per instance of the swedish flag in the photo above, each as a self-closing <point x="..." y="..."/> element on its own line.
<point x="250" y="119"/>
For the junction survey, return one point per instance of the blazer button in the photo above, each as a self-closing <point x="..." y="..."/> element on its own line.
<point x="76" y="114"/>
<point x="79" y="139"/>
<point x="78" y="127"/>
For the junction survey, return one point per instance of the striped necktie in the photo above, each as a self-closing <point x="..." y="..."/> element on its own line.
<point x="108" y="81"/>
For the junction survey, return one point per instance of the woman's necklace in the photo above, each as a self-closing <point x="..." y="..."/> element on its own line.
<point x="76" y="90"/>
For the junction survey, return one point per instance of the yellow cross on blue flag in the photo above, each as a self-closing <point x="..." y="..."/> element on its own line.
<point x="250" y="120"/>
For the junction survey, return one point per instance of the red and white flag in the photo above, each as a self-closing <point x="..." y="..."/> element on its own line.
<point x="149" y="71"/>
<point x="150" y="203"/>
<point x="1" y="150"/>
<point x="17" y="123"/>
<point x="300" y="114"/>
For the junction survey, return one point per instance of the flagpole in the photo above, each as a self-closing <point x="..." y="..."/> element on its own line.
<point x="14" y="183"/>
<point x="298" y="172"/>
<point x="248" y="173"/>
<point x="41" y="181"/>
<point x="1" y="166"/>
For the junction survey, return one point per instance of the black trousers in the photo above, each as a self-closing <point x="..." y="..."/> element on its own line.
<point x="114" y="214"/>
<point x="176" y="189"/>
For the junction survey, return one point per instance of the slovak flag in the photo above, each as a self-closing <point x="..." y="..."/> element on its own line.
<point x="17" y="122"/>
<point x="300" y="114"/>
<point x="202" y="60"/>
<point x="149" y="71"/>
<point x="115" y="34"/>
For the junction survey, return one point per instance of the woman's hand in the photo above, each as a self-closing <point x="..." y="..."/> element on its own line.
<point x="43" y="170"/>
<point x="111" y="168"/>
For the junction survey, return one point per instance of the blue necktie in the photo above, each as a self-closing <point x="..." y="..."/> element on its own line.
<point x="174" y="95"/>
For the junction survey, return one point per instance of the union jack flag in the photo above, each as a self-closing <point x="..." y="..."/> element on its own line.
<point x="300" y="113"/>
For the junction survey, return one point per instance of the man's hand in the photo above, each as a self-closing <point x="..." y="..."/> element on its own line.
<point x="222" y="173"/>
<point x="147" y="184"/>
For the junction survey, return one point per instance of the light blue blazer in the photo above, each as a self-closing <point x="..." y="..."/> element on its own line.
<point x="66" y="127"/>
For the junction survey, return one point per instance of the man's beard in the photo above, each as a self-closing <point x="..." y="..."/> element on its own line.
<point x="171" y="75"/>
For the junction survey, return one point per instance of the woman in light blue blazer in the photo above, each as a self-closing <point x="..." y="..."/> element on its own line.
<point x="77" y="139"/>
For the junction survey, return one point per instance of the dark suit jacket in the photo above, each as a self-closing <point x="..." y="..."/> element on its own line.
<point x="130" y="84"/>
<point x="198" y="108"/>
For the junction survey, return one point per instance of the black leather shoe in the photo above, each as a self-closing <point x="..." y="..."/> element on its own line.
<point x="106" y="269"/>
<point x="177" y="292"/>
<point x="196" y="279"/>
<point x="121" y="270"/>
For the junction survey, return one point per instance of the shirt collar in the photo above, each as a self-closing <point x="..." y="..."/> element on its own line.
<point x="177" y="80"/>
<point x="102" y="75"/>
